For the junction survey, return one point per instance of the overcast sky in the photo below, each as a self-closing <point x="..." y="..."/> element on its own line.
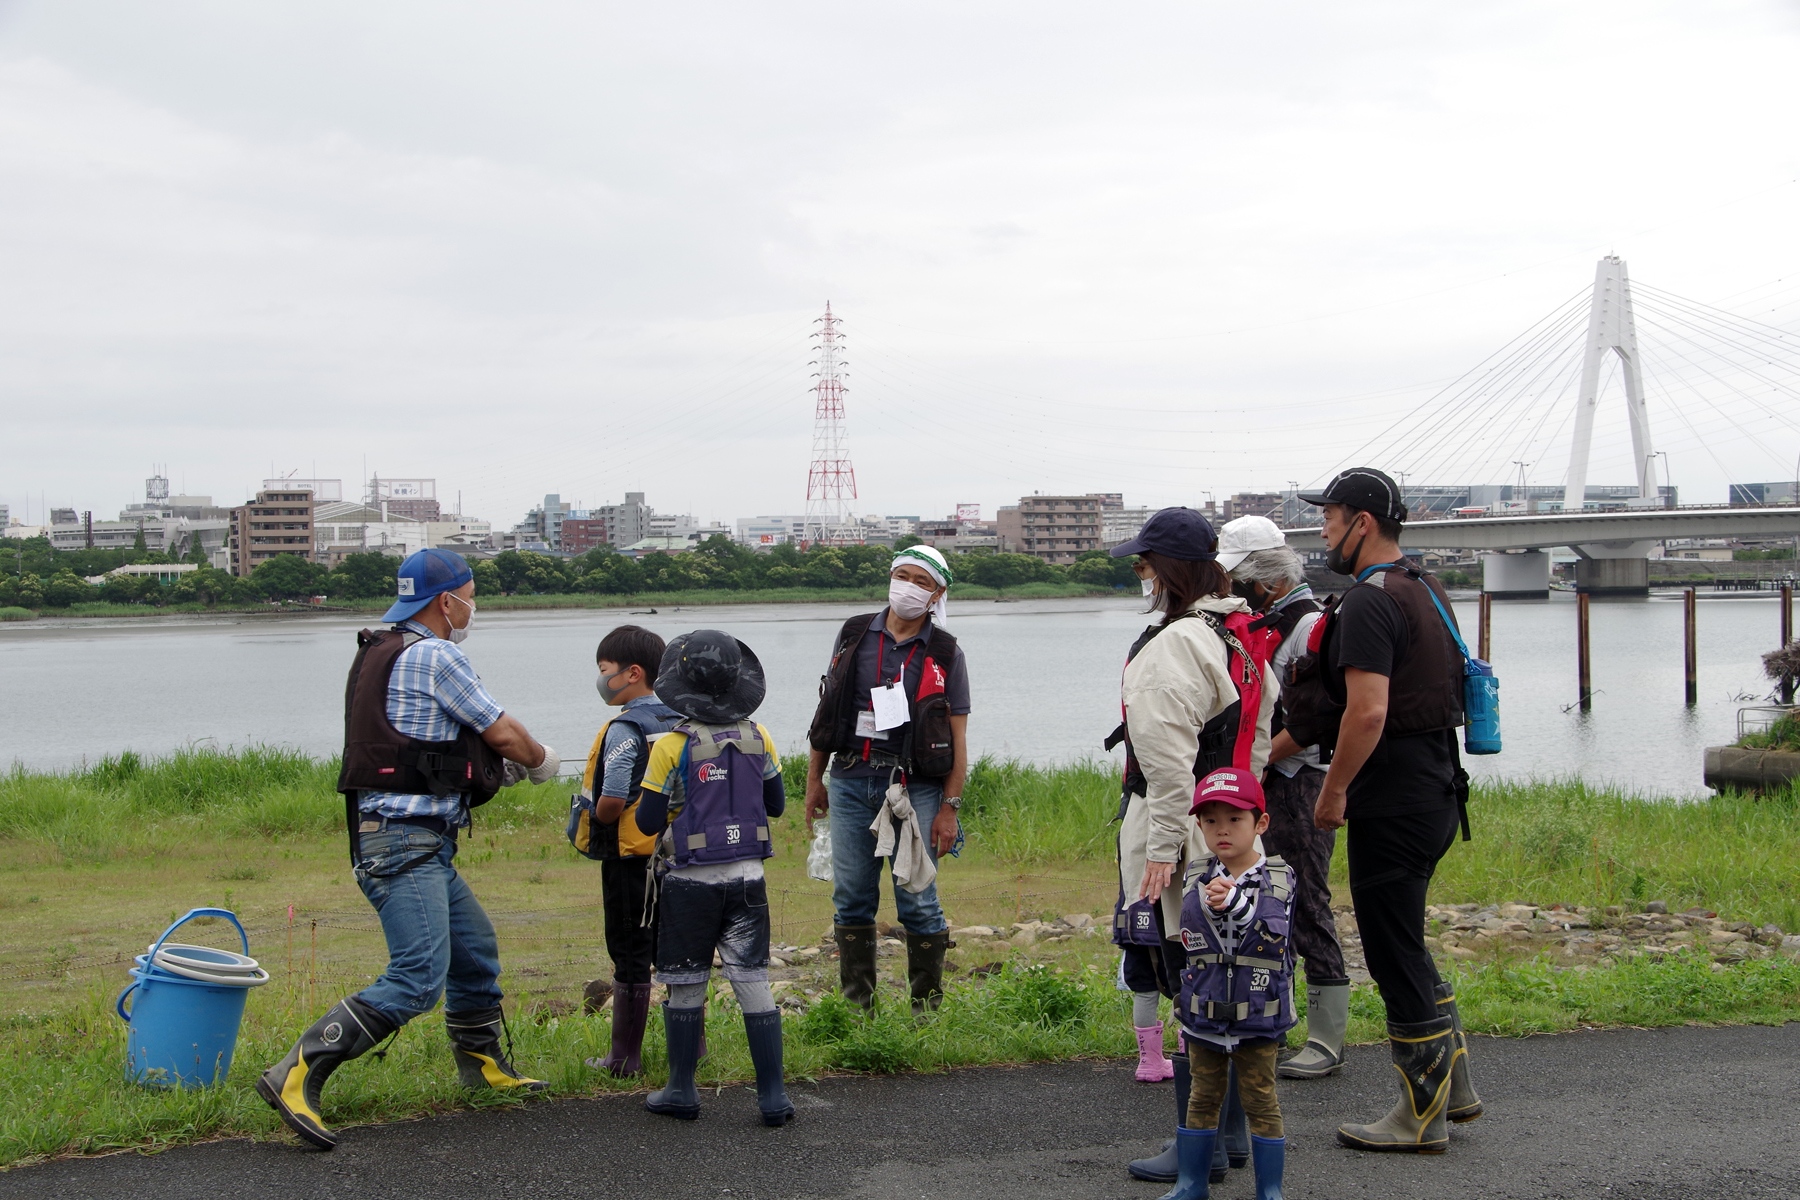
<point x="1163" y="249"/>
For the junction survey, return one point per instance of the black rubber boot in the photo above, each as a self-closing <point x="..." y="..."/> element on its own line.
<point x="292" y="1086"/>
<point x="1464" y="1104"/>
<point x="925" y="969"/>
<point x="631" y="1012"/>
<point x="481" y="1061"/>
<point x="682" y="1027"/>
<point x="1423" y="1055"/>
<point x="856" y="963"/>
<point x="1164" y="1167"/>
<point x="1234" y="1127"/>
<point x="763" y="1030"/>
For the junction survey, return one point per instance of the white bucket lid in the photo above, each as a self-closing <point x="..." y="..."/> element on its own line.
<point x="208" y="964"/>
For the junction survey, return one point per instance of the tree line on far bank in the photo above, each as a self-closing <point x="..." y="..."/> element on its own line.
<point x="43" y="577"/>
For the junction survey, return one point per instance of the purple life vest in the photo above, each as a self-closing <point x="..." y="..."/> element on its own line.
<point x="1251" y="993"/>
<point x="722" y="817"/>
<point x="1135" y="924"/>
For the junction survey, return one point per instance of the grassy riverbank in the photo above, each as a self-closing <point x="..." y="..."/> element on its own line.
<point x="93" y="864"/>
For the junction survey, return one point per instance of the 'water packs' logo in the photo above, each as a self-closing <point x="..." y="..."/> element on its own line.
<point x="712" y="773"/>
<point x="406" y="586"/>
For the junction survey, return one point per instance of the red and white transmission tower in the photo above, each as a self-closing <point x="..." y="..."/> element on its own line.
<point x="831" y="483"/>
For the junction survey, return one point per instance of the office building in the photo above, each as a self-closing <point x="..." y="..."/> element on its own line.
<point x="408" y="499"/>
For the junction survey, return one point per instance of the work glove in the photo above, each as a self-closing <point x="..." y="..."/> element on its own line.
<point x="515" y="773"/>
<point x="547" y="770"/>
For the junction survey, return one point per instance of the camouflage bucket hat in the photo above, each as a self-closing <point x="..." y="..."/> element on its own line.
<point x="710" y="676"/>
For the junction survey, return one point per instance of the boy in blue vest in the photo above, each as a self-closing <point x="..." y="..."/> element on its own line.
<point x="711" y="787"/>
<point x="1237" y="994"/>
<point x="605" y="826"/>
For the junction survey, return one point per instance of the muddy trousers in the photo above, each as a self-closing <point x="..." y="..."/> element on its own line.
<point x="1208" y="1070"/>
<point x="1391" y="861"/>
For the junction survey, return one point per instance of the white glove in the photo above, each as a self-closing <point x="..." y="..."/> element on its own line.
<point x="515" y="773"/>
<point x="547" y="770"/>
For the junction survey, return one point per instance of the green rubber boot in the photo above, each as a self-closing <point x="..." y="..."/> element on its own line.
<point x="1423" y="1055"/>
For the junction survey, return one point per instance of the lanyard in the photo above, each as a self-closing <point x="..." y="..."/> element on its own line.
<point x="900" y="675"/>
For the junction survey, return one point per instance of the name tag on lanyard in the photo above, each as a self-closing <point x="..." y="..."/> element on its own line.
<point x="890" y="710"/>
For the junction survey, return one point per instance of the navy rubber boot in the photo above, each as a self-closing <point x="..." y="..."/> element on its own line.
<point x="763" y="1031"/>
<point x="682" y="1027"/>
<point x="1162" y="1168"/>
<point x="1270" y="1155"/>
<point x="1193" y="1152"/>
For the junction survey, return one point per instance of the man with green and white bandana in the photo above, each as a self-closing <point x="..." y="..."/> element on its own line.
<point x="893" y="709"/>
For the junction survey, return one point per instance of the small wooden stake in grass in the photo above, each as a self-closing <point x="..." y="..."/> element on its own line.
<point x="1690" y="649"/>
<point x="1583" y="667"/>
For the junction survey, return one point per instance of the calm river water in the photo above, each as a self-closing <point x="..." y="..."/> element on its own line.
<point x="1044" y="674"/>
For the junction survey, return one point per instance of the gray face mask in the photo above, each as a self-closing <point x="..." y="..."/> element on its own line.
<point x="604" y="685"/>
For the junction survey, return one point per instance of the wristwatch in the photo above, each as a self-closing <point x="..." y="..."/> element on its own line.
<point x="954" y="802"/>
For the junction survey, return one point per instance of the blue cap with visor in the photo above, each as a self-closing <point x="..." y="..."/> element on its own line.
<point x="424" y="576"/>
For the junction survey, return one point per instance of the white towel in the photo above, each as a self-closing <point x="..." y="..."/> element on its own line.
<point x="896" y="830"/>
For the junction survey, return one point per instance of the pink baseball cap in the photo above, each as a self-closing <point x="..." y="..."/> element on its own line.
<point x="1229" y="785"/>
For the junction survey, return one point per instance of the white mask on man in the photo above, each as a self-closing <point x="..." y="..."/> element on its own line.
<point x="908" y="600"/>
<point x="457" y="635"/>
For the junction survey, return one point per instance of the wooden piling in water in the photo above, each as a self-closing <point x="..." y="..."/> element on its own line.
<point x="1484" y="626"/>
<point x="1583" y="665"/>
<point x="1787" y="636"/>
<point x="1690" y="650"/>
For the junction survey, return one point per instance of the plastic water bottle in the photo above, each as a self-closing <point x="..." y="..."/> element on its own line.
<point x="818" y="859"/>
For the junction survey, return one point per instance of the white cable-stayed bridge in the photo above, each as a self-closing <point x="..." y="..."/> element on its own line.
<point x="1728" y="381"/>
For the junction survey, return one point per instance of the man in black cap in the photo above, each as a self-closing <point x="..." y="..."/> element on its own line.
<point x="1397" y="783"/>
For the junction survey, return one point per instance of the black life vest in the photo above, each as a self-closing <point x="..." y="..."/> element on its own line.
<point x="928" y="750"/>
<point x="1283" y="621"/>
<point x="379" y="758"/>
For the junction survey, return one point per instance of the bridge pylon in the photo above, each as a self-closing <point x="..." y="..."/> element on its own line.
<point x="1611" y="328"/>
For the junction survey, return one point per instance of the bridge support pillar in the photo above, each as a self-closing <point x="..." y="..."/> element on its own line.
<point x="1516" y="575"/>
<point x="1613" y="576"/>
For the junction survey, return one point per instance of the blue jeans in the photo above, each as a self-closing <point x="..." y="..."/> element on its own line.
<point x="856" y="872"/>
<point x="440" y="942"/>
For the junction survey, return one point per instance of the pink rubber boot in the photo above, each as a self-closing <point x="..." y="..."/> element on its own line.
<point x="1152" y="1066"/>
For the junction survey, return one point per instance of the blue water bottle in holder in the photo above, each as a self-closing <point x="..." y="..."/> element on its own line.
<point x="1481" y="707"/>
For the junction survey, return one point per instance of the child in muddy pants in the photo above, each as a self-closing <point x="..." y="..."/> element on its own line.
<point x="710" y="789"/>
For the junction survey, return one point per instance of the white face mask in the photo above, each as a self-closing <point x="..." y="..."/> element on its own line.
<point x="457" y="635"/>
<point x="908" y="600"/>
<point x="1149" y="585"/>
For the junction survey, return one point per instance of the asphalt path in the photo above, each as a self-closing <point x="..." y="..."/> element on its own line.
<point x="1619" y="1113"/>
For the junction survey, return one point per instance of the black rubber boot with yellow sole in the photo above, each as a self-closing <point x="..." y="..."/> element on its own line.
<point x="1423" y="1055"/>
<point x="481" y="1062"/>
<point x="856" y="963"/>
<point x="1464" y="1105"/>
<point x="292" y="1086"/>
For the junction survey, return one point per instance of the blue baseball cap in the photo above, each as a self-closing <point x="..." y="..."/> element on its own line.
<point x="424" y="575"/>
<point x="1178" y="533"/>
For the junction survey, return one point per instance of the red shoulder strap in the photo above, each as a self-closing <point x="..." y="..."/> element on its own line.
<point x="1252" y="653"/>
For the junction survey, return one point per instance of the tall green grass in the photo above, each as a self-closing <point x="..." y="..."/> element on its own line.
<point x="1543" y="841"/>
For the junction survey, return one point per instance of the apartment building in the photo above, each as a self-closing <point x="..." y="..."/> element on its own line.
<point x="1055" y="528"/>
<point x="278" y="521"/>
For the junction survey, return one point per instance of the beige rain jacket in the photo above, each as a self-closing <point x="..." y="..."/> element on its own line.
<point x="1175" y="685"/>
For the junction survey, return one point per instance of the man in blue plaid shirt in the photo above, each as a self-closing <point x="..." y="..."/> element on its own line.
<point x="440" y="942"/>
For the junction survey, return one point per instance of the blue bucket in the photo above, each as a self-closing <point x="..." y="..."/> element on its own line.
<point x="183" y="1031"/>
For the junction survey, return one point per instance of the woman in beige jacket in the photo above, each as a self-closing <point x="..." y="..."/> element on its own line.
<point x="1178" y="678"/>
